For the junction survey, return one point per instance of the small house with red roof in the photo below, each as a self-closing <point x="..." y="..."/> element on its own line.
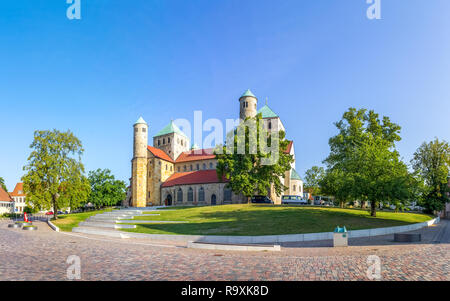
<point x="19" y="197"/>
<point x="6" y="202"/>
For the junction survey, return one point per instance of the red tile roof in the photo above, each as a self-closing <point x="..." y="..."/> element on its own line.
<point x="17" y="189"/>
<point x="193" y="177"/>
<point x="195" y="155"/>
<point x="158" y="153"/>
<point x="4" y="196"/>
<point x="289" y="147"/>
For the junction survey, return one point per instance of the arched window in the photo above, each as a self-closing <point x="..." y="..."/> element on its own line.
<point x="210" y="165"/>
<point x="190" y="195"/>
<point x="201" y="195"/>
<point x="164" y="141"/>
<point x="204" y="166"/>
<point x="198" y="166"/>
<point x="294" y="187"/>
<point x="159" y="142"/>
<point x="191" y="167"/>
<point x="184" y="168"/>
<point x="178" y="168"/>
<point x="168" y="140"/>
<point x="270" y="125"/>
<point x="180" y="195"/>
<point x="227" y="195"/>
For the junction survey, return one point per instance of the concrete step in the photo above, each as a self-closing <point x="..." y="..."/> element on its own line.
<point x="106" y="225"/>
<point x="136" y="221"/>
<point x="99" y="231"/>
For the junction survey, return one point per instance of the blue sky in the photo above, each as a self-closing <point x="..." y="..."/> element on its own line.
<point x="164" y="59"/>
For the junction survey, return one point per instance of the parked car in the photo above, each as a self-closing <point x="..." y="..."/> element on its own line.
<point x="261" y="199"/>
<point x="293" y="200"/>
<point x="49" y="213"/>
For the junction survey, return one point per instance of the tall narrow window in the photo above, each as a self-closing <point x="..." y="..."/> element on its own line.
<point x="201" y="195"/>
<point x="180" y="195"/>
<point x="227" y="195"/>
<point x="190" y="195"/>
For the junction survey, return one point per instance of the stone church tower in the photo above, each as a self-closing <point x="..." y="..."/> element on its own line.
<point x="139" y="164"/>
<point x="248" y="103"/>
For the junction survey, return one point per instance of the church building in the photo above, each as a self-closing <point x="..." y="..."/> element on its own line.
<point x="171" y="172"/>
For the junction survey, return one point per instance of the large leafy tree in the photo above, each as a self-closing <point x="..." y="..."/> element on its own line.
<point x="313" y="176"/>
<point x="246" y="172"/>
<point x="431" y="161"/>
<point x="105" y="189"/>
<point x="338" y="184"/>
<point x="2" y="184"/>
<point x="364" y="153"/>
<point x="54" y="176"/>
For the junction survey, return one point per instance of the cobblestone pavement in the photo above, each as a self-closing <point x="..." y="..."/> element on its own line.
<point x="42" y="255"/>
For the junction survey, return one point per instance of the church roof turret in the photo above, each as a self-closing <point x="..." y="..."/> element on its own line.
<point x="267" y="112"/>
<point x="140" y="121"/>
<point x="295" y="175"/>
<point x="169" y="129"/>
<point x="248" y="93"/>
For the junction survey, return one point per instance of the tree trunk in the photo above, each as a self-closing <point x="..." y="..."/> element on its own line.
<point x="342" y="204"/>
<point x="373" y="209"/>
<point x="55" y="208"/>
<point x="248" y="200"/>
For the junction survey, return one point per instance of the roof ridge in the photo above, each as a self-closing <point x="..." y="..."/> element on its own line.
<point x="267" y="112"/>
<point x="169" y="129"/>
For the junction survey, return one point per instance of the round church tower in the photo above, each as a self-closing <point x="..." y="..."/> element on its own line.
<point x="139" y="164"/>
<point x="248" y="103"/>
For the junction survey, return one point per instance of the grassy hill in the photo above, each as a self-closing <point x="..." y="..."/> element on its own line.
<point x="270" y="220"/>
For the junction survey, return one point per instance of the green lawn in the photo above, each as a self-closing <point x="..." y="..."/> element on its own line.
<point x="66" y="222"/>
<point x="269" y="220"/>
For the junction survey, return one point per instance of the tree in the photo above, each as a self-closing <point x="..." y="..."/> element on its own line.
<point x="431" y="161"/>
<point x="246" y="171"/>
<point x="337" y="184"/>
<point x="364" y="153"/>
<point x="2" y="184"/>
<point x="55" y="175"/>
<point x="313" y="176"/>
<point x="105" y="189"/>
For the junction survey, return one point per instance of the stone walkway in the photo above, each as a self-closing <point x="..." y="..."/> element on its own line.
<point x="42" y="255"/>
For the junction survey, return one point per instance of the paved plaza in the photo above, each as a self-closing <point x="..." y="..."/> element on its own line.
<point x="42" y="255"/>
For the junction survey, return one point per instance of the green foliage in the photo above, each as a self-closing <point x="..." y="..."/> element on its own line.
<point x="55" y="175"/>
<point x="313" y="177"/>
<point x="105" y="189"/>
<point x="30" y="209"/>
<point x="2" y="184"/>
<point x="431" y="162"/>
<point x="246" y="172"/>
<point x="364" y="164"/>
<point x="338" y="184"/>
